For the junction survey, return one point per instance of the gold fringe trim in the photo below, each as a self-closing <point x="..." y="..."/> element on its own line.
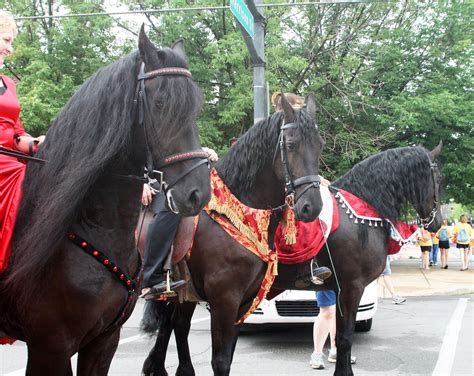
<point x="234" y="218"/>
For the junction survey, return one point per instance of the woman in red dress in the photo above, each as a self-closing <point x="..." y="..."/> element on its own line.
<point x="12" y="136"/>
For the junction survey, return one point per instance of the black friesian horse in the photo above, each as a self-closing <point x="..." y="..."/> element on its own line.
<point x="84" y="203"/>
<point x="223" y="272"/>
<point x="389" y="182"/>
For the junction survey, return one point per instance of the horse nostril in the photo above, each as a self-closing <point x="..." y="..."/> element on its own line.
<point x="306" y="210"/>
<point x="194" y="197"/>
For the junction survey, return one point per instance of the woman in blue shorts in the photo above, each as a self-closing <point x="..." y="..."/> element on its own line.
<point x="325" y="324"/>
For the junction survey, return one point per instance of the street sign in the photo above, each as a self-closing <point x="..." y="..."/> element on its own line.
<point x="240" y="11"/>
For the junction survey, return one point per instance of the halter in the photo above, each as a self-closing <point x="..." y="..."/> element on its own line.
<point x="155" y="177"/>
<point x="313" y="181"/>
<point x="426" y="221"/>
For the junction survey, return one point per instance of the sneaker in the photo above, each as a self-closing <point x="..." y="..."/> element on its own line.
<point x="399" y="300"/>
<point x="317" y="360"/>
<point x="332" y="357"/>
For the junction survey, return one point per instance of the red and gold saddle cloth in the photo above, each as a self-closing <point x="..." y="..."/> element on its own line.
<point x="247" y="226"/>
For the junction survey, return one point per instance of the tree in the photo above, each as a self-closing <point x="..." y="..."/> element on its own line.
<point x="54" y="56"/>
<point x="384" y="74"/>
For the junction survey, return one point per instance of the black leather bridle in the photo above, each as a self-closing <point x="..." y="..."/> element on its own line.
<point x="155" y="177"/>
<point x="426" y="221"/>
<point x="312" y="181"/>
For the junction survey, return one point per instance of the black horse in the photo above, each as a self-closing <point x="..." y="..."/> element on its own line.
<point x="82" y="206"/>
<point x="223" y="272"/>
<point x="389" y="182"/>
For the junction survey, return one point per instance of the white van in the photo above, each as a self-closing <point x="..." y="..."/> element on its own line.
<point x="297" y="307"/>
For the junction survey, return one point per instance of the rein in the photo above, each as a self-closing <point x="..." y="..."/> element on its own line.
<point x="312" y="181"/>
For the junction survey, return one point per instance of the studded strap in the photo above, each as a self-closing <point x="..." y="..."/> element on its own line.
<point x="129" y="283"/>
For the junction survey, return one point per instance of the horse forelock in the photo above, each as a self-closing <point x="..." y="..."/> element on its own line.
<point x="92" y="129"/>
<point x="178" y="102"/>
<point x="390" y="180"/>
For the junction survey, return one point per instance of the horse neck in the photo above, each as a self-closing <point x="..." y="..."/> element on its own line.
<point x="265" y="190"/>
<point x="400" y="184"/>
<point x="110" y="213"/>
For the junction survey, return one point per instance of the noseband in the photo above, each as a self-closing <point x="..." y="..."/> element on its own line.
<point x="426" y="221"/>
<point x="155" y="177"/>
<point x="312" y="181"/>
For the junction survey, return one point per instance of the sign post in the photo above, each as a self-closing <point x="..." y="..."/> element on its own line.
<point x="254" y="39"/>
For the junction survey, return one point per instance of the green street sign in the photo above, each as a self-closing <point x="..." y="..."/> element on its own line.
<point x="240" y="11"/>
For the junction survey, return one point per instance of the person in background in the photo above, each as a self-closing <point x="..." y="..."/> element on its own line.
<point x="13" y="137"/>
<point x="425" y="243"/>
<point x="387" y="281"/>
<point x="160" y="236"/>
<point x="471" y="243"/>
<point x="462" y="232"/>
<point x="444" y="235"/>
<point x="325" y="324"/>
<point x="295" y="100"/>
<point x="434" y="250"/>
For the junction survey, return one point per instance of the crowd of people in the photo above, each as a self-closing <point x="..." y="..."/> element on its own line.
<point x="461" y="235"/>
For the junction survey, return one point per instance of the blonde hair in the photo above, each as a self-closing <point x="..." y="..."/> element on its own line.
<point x="294" y="99"/>
<point x="463" y="218"/>
<point x="7" y="22"/>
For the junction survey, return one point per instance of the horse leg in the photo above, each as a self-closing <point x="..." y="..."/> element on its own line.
<point x="44" y="360"/>
<point x="182" y="324"/>
<point x="155" y="362"/>
<point x="224" y="334"/>
<point x="69" y="370"/>
<point x="349" y="302"/>
<point x="95" y="358"/>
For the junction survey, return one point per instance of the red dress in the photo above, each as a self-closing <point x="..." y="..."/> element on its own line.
<point x="12" y="171"/>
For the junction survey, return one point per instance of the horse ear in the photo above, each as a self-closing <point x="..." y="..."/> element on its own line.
<point x="311" y="106"/>
<point x="436" y="151"/>
<point x="287" y="109"/>
<point x="178" y="47"/>
<point x="147" y="49"/>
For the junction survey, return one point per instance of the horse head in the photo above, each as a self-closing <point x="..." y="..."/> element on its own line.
<point x="429" y="207"/>
<point x="171" y="102"/>
<point x="300" y="149"/>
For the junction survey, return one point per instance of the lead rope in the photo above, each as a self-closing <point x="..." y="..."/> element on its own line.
<point x="333" y="269"/>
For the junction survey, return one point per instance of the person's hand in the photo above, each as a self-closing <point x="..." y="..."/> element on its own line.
<point x="147" y="195"/>
<point x="211" y="154"/>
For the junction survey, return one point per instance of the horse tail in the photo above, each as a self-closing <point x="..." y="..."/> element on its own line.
<point x="153" y="315"/>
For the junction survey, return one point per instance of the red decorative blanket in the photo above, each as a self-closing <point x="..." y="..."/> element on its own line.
<point x="311" y="236"/>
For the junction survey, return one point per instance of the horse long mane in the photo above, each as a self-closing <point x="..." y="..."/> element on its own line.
<point x="388" y="181"/>
<point x="93" y="131"/>
<point x="240" y="166"/>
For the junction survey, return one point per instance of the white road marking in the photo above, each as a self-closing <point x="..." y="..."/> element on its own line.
<point x="448" y="348"/>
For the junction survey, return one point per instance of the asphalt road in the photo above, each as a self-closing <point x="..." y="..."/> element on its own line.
<point x="425" y="336"/>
